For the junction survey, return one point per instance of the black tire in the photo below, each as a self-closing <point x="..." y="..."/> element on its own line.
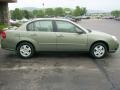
<point x="32" y="51"/>
<point x="93" y="50"/>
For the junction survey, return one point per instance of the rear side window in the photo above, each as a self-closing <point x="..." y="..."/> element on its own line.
<point x="41" y="26"/>
<point x="30" y="27"/>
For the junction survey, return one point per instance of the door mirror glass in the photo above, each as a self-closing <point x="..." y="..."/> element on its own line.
<point x="79" y="31"/>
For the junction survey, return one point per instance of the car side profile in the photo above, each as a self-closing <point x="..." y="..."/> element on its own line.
<point x="57" y="35"/>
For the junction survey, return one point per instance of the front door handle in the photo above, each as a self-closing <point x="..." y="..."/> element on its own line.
<point x="60" y="35"/>
<point x="33" y="34"/>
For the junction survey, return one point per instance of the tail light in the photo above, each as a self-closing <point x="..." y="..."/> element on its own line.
<point x="3" y="34"/>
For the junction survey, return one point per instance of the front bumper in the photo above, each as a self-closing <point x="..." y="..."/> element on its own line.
<point x="115" y="47"/>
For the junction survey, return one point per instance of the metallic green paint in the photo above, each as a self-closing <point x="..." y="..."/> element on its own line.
<point x="57" y="41"/>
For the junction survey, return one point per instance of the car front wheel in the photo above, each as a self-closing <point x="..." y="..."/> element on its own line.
<point x="25" y="50"/>
<point x="98" y="50"/>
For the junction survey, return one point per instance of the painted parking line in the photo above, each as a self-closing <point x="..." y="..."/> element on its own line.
<point x="47" y="68"/>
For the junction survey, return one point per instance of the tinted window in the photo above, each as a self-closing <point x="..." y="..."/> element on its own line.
<point x="42" y="26"/>
<point x="65" y="27"/>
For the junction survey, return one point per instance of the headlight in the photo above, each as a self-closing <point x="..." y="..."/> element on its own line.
<point x="114" y="38"/>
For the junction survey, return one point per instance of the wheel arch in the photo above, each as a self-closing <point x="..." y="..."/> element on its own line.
<point x="26" y="42"/>
<point x="100" y="41"/>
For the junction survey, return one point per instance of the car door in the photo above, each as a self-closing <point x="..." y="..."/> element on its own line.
<point x="68" y="39"/>
<point x="42" y="32"/>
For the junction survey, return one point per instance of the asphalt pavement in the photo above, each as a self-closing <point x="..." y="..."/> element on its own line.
<point x="62" y="71"/>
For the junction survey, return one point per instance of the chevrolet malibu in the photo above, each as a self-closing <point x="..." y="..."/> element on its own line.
<point x="57" y="35"/>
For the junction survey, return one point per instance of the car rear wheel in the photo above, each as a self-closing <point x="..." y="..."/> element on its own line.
<point x="25" y="50"/>
<point x="98" y="50"/>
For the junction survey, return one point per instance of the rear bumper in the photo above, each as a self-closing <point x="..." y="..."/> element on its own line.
<point x="7" y="46"/>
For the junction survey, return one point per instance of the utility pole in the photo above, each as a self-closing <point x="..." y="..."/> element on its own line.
<point x="43" y="4"/>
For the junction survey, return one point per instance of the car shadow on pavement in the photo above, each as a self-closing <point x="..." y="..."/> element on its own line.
<point x="10" y="59"/>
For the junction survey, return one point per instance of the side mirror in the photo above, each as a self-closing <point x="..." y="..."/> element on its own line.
<point x="80" y="32"/>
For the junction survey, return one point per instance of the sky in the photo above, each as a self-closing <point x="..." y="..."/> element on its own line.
<point x="106" y="5"/>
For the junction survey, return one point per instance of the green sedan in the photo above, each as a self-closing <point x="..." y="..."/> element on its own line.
<point x="57" y="35"/>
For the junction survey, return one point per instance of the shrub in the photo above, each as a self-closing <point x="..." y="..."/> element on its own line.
<point x="2" y="26"/>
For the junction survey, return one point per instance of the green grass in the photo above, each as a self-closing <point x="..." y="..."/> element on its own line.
<point x="2" y="26"/>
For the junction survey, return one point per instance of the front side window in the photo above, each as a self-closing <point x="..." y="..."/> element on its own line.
<point x="42" y="26"/>
<point x="64" y="26"/>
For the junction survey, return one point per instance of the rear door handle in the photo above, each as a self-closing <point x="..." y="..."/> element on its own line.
<point x="60" y="35"/>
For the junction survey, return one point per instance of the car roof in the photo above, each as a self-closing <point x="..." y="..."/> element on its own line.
<point x="48" y="19"/>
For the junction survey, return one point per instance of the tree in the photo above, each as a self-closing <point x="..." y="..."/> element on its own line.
<point x="38" y="13"/>
<point x="116" y="13"/>
<point x="17" y="14"/>
<point x="59" y="11"/>
<point x="83" y="11"/>
<point x="35" y="12"/>
<point x="67" y="11"/>
<point x="49" y="11"/>
<point x="27" y="14"/>
<point x="79" y="11"/>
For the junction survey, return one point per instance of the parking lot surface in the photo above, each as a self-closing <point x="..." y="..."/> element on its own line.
<point x="61" y="71"/>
